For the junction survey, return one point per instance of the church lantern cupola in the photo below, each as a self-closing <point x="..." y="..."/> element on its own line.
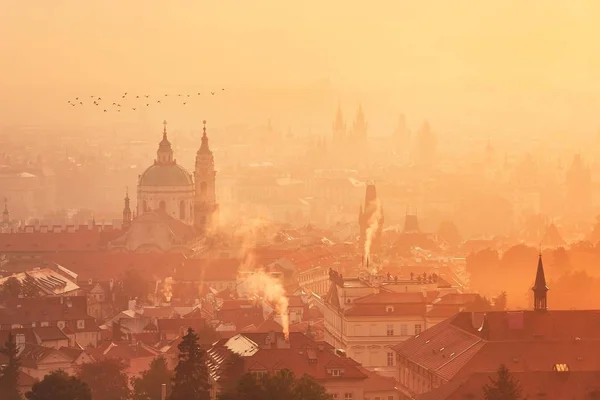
<point x="164" y="155"/>
<point x="540" y="289"/>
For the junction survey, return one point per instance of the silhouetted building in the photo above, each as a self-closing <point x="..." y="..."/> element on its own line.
<point x="540" y="290"/>
<point x="126" y="211"/>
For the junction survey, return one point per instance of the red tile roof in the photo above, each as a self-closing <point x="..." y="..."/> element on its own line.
<point x="206" y="270"/>
<point x="549" y="385"/>
<point x="122" y="350"/>
<point x="38" y="242"/>
<point x="303" y="356"/>
<point x="377" y="383"/>
<point x="103" y="266"/>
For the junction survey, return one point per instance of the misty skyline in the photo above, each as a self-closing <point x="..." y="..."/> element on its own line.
<point x="501" y="66"/>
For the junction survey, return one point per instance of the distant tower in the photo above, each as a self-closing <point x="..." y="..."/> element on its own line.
<point x="371" y="215"/>
<point x="359" y="129"/>
<point x="126" y="211"/>
<point x="540" y="290"/>
<point x="339" y="128"/>
<point x="5" y="213"/>
<point x="205" y="203"/>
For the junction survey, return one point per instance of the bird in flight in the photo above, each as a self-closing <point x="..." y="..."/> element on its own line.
<point x="104" y="110"/>
<point x="133" y="108"/>
<point x="213" y="93"/>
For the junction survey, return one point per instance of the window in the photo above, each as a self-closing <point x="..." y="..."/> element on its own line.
<point x="60" y="324"/>
<point x="44" y="324"/>
<point x="334" y="396"/>
<point x="336" y="372"/>
<point x="418" y="329"/>
<point x="347" y="396"/>
<point x="390" y="330"/>
<point x="182" y="209"/>
<point x="259" y="374"/>
<point x="390" y="359"/>
<point x="403" y="330"/>
<point x="80" y="324"/>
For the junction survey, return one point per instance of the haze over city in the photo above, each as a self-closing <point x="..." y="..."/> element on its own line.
<point x="241" y="200"/>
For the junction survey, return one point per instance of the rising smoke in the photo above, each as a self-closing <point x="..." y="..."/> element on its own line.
<point x="373" y="211"/>
<point x="269" y="287"/>
<point x="167" y="289"/>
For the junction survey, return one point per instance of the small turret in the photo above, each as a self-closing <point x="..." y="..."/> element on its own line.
<point x="126" y="210"/>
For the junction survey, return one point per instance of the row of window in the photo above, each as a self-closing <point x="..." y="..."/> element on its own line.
<point x="389" y="329"/>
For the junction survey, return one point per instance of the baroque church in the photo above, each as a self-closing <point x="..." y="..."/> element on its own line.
<point x="175" y="208"/>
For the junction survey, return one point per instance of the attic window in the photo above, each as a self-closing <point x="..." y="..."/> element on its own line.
<point x="335" y="372"/>
<point x="389" y="309"/>
<point x="561" y="367"/>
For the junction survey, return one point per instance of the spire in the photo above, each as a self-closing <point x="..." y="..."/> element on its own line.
<point x="165" y="152"/>
<point x="5" y="214"/>
<point x="204" y="149"/>
<point x="540" y="289"/>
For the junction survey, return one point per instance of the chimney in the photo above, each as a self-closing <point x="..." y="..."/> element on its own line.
<point x="163" y="391"/>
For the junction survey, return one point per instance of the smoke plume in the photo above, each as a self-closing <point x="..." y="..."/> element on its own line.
<point x="373" y="210"/>
<point x="273" y="291"/>
<point x="167" y="289"/>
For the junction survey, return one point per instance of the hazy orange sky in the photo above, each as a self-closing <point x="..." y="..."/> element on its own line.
<point x="447" y="57"/>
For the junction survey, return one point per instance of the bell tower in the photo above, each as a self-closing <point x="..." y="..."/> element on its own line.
<point x="205" y="202"/>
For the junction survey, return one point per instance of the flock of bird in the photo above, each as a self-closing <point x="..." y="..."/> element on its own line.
<point x="136" y="102"/>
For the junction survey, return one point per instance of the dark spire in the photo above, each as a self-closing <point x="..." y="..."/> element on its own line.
<point x="540" y="289"/>
<point x="204" y="149"/>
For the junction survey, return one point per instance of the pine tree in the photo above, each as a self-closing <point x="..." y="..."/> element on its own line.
<point x="191" y="374"/>
<point x="9" y="374"/>
<point x="59" y="385"/>
<point x="106" y="379"/>
<point x="149" y="385"/>
<point x="503" y="388"/>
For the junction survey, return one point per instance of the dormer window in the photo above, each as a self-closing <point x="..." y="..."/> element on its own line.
<point x="80" y="324"/>
<point x="389" y="309"/>
<point x="44" y="323"/>
<point x="61" y="324"/>
<point x="336" y="372"/>
<point x="259" y="374"/>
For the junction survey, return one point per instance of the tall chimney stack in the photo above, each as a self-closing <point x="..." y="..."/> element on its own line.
<point x="163" y="391"/>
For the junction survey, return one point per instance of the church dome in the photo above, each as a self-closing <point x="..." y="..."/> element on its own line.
<point x="166" y="175"/>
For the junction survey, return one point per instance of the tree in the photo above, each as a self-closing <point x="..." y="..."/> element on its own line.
<point x="106" y="379"/>
<point x="59" y="385"/>
<point x="11" y="288"/>
<point x="280" y="386"/>
<point x="479" y="304"/>
<point x="9" y="374"/>
<point x="190" y="381"/>
<point x="135" y="286"/>
<point x="149" y="385"/>
<point x="501" y="301"/>
<point x="503" y="388"/>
